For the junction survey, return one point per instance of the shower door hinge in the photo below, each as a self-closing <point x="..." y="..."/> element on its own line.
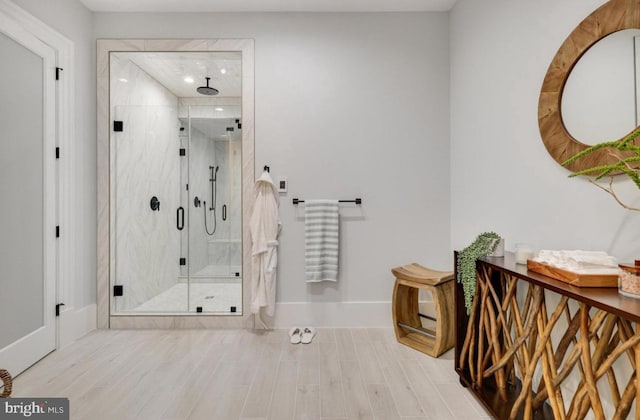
<point x="58" y="308"/>
<point x="58" y="231"/>
<point x="187" y="187"/>
<point x="183" y="151"/>
<point x="183" y="261"/>
<point x="58" y="70"/>
<point x="57" y="153"/>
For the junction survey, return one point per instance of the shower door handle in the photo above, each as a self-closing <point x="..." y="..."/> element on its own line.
<point x="224" y="212"/>
<point x="180" y="218"/>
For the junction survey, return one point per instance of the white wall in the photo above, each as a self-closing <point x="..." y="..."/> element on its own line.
<point x="347" y="105"/>
<point x="502" y="177"/>
<point x="358" y="105"/>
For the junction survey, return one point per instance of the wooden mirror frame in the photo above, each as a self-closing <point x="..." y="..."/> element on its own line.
<point x="611" y="17"/>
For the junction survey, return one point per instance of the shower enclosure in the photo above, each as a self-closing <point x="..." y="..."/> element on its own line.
<point x="176" y="186"/>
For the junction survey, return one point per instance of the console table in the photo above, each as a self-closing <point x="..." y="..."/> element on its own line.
<point x="515" y="356"/>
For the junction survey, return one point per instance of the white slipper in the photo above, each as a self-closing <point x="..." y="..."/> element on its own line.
<point x="307" y="335"/>
<point x="295" y="335"/>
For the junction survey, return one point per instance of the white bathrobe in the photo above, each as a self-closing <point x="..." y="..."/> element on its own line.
<point x="264" y="226"/>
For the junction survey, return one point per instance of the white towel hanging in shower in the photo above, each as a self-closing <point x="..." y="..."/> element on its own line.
<point x="321" y="230"/>
<point x="264" y="227"/>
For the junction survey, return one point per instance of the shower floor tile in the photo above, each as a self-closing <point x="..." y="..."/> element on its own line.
<point x="215" y="297"/>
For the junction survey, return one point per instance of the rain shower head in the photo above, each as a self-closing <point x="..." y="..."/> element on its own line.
<point x="206" y="90"/>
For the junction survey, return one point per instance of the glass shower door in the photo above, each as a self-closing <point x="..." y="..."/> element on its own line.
<point x="175" y="170"/>
<point x="147" y="192"/>
<point x="215" y="276"/>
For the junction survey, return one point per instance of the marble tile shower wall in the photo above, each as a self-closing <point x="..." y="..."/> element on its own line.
<point x="145" y="164"/>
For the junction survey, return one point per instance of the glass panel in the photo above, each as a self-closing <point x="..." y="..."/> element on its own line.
<point x="21" y="189"/>
<point x="215" y="164"/>
<point x="148" y="247"/>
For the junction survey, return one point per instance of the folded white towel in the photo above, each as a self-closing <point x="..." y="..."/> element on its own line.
<point x="322" y="239"/>
<point x="584" y="262"/>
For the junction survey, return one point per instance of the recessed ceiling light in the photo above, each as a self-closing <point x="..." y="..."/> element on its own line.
<point x="219" y="109"/>
<point x="223" y="70"/>
<point x="188" y="79"/>
<point x="123" y="80"/>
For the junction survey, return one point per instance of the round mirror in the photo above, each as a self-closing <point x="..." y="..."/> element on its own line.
<point x="599" y="100"/>
<point x="612" y="17"/>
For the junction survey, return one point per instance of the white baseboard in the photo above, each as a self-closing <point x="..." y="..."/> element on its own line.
<point x="75" y="323"/>
<point x="333" y="314"/>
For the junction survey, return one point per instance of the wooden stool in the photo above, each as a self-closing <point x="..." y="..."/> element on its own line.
<point x="406" y="315"/>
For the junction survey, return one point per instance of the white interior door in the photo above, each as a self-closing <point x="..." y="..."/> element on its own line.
<point x="27" y="199"/>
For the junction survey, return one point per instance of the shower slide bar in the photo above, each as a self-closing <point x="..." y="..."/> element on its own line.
<point x="358" y="201"/>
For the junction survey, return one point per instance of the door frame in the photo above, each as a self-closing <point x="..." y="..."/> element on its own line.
<point x="37" y="343"/>
<point x="106" y="260"/>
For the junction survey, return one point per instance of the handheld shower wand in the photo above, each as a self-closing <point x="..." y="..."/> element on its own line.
<point x="213" y="175"/>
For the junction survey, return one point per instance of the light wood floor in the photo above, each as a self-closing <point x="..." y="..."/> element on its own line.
<point x="237" y="374"/>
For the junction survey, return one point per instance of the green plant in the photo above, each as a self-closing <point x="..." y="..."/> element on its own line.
<point x="484" y="245"/>
<point x="627" y="164"/>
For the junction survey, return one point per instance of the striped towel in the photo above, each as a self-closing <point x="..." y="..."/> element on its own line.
<point x="321" y="230"/>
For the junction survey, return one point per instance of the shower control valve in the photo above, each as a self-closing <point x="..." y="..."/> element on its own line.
<point x="154" y="204"/>
<point x="196" y="202"/>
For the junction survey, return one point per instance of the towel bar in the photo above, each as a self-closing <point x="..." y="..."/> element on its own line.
<point x="358" y="201"/>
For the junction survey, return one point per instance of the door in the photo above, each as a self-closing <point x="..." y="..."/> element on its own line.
<point x="27" y="191"/>
<point x="148" y="225"/>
